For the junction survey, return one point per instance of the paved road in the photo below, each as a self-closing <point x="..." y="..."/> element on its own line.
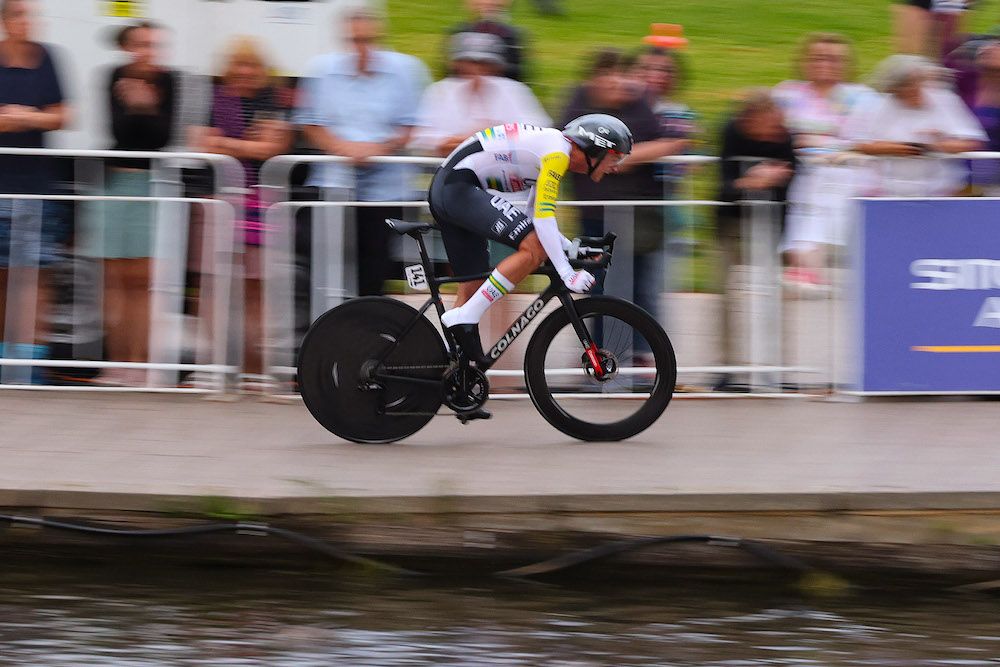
<point x="188" y="446"/>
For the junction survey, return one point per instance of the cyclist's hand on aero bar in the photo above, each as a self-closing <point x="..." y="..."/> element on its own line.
<point x="578" y="281"/>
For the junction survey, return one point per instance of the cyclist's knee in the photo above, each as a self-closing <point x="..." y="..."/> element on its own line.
<point x="533" y="246"/>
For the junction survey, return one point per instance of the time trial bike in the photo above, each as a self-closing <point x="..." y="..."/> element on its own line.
<point x="376" y="370"/>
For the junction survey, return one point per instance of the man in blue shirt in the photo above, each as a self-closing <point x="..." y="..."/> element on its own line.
<point x="360" y="104"/>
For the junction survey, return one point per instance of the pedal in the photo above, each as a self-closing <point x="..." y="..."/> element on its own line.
<point x="479" y="413"/>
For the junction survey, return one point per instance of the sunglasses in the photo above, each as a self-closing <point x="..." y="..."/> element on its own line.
<point x="617" y="156"/>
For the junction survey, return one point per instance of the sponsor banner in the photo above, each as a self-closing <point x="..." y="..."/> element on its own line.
<point x="930" y="295"/>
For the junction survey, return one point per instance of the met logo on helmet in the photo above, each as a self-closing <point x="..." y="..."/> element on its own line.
<point x="599" y="141"/>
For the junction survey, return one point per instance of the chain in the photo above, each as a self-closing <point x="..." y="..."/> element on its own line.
<point x="415" y="368"/>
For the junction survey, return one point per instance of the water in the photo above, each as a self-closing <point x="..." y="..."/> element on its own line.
<point x="136" y="615"/>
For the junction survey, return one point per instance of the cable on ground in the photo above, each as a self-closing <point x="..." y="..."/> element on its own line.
<point x="549" y="566"/>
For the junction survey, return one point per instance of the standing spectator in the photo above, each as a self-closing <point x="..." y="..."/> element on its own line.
<point x="474" y="97"/>
<point x="757" y="130"/>
<point x="140" y="98"/>
<point x="927" y="27"/>
<point x="31" y="104"/>
<point x="986" y="107"/>
<point x="249" y="121"/>
<point x="815" y="108"/>
<point x="659" y="72"/>
<point x="913" y="116"/>
<point x="490" y="16"/>
<point x="607" y="90"/>
<point x="359" y="105"/>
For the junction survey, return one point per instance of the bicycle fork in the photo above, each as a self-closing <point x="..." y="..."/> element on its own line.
<point x="590" y="349"/>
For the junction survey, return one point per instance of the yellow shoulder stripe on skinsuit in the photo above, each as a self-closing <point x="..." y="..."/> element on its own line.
<point x="554" y="165"/>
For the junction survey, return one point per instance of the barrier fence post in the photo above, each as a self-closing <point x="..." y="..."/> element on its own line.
<point x="167" y="281"/>
<point x="166" y="333"/>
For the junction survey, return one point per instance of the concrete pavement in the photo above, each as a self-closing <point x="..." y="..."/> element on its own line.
<point x="189" y="446"/>
<point x="914" y="472"/>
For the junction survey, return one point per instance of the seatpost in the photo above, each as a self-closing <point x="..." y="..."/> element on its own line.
<point x="425" y="261"/>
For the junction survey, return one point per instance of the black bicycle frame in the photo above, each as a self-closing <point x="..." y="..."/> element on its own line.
<point x="555" y="289"/>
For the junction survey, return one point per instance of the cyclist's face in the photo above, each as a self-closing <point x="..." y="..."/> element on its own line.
<point x="608" y="165"/>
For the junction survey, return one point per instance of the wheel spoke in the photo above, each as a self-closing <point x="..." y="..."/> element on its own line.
<point x="617" y="338"/>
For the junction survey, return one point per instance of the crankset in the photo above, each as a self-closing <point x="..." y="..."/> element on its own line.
<point x="465" y="389"/>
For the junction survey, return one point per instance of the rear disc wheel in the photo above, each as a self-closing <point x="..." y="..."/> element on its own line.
<point x="343" y="368"/>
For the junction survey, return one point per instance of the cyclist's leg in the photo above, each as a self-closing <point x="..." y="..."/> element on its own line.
<point x="529" y="256"/>
<point x="515" y="268"/>
<point x="468" y="252"/>
<point x="468" y="215"/>
<point x="465" y="211"/>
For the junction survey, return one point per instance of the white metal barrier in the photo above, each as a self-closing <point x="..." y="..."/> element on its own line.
<point x="215" y="353"/>
<point x="773" y="357"/>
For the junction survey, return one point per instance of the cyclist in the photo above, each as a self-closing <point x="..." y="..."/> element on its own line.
<point x="514" y="158"/>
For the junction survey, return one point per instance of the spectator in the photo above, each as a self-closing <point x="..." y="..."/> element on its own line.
<point x="756" y="130"/>
<point x="140" y="98"/>
<point x="489" y="16"/>
<point x="31" y="104"/>
<point x="607" y="90"/>
<point x="474" y="97"/>
<point x="249" y="121"/>
<point x="927" y="27"/>
<point x="986" y="108"/>
<point x="913" y="116"/>
<point x="815" y="108"/>
<point x="360" y="105"/>
<point x="659" y="73"/>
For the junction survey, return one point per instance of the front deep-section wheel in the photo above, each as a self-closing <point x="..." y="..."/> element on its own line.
<point x="370" y="370"/>
<point x="630" y="390"/>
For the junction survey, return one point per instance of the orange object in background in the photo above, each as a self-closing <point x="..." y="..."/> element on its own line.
<point x="666" y="36"/>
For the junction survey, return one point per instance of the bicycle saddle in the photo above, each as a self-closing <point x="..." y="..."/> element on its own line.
<point x="402" y="227"/>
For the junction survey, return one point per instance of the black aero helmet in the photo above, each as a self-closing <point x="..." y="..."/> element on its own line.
<point x="598" y="134"/>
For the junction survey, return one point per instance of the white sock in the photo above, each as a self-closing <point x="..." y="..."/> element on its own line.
<point x="491" y="291"/>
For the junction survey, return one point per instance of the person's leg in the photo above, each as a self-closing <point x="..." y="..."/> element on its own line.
<point x="3" y="304"/>
<point x="648" y="272"/>
<point x="468" y="216"/>
<point x="115" y="341"/>
<point x="136" y="313"/>
<point x="252" y="333"/>
<point x="464" y="293"/>
<point x="373" y="249"/>
<point x="509" y="272"/>
<point x="730" y="250"/>
<point x="43" y="302"/>
<point x="911" y="27"/>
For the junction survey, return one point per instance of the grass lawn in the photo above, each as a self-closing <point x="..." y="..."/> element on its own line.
<point x="734" y="44"/>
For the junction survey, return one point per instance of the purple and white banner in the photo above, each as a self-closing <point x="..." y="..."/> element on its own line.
<point x="930" y="295"/>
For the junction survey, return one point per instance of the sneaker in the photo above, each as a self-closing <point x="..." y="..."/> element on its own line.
<point x="202" y="380"/>
<point x="727" y="385"/>
<point x="136" y="377"/>
<point x="111" y="377"/>
<point x="804" y="283"/>
<point x="256" y="384"/>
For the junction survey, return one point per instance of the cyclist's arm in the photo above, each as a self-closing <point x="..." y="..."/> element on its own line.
<point x="554" y="165"/>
